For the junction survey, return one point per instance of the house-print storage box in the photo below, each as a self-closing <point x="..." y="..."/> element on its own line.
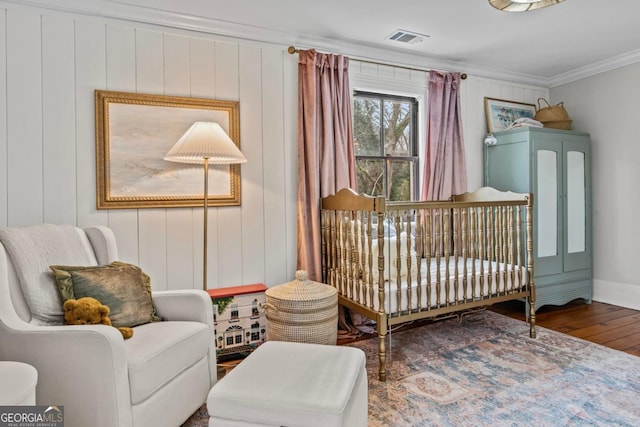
<point x="240" y="325"/>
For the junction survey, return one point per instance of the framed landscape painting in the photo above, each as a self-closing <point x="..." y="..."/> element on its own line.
<point x="502" y="113"/>
<point x="133" y="134"/>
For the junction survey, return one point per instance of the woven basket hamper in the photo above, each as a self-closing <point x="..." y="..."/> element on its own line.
<point x="302" y="311"/>
<point x="553" y="116"/>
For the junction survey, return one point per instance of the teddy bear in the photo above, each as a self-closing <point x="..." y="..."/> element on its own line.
<point x="90" y="311"/>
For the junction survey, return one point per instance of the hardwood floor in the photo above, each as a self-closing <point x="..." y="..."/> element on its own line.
<point x="605" y="324"/>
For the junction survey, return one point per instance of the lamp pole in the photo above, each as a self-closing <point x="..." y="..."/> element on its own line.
<point x="206" y="222"/>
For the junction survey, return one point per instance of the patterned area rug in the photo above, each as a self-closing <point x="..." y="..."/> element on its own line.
<point x="486" y="371"/>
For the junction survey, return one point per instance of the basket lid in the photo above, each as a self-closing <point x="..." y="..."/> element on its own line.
<point x="301" y="289"/>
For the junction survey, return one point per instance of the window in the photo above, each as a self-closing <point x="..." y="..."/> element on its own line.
<point x="385" y="129"/>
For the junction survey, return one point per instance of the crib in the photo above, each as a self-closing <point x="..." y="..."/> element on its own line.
<point x="395" y="262"/>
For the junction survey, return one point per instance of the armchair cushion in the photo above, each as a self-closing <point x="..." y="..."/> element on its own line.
<point x="32" y="250"/>
<point x="160" y="352"/>
<point x="122" y="287"/>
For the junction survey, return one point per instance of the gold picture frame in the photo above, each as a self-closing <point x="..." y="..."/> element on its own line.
<point x="133" y="133"/>
<point x="501" y="113"/>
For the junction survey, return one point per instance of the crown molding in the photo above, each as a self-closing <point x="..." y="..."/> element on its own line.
<point x="609" y="64"/>
<point x="114" y="9"/>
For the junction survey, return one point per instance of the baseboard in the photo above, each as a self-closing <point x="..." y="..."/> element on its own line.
<point x="620" y="294"/>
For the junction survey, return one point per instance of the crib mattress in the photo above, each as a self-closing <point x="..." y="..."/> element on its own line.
<point x="483" y="278"/>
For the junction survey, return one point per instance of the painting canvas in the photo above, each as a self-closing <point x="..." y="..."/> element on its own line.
<point x="133" y="134"/>
<point x="502" y="113"/>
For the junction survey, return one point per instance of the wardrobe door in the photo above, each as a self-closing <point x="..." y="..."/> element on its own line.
<point x="547" y="182"/>
<point x="577" y="218"/>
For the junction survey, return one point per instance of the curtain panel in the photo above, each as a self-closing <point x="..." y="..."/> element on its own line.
<point x="326" y="161"/>
<point x="445" y="170"/>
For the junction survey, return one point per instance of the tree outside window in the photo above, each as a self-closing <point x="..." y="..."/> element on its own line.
<point x="384" y="134"/>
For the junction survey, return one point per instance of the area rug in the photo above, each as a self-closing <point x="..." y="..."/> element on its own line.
<point x="486" y="371"/>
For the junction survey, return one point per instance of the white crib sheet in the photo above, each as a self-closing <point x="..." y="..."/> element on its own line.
<point x="490" y="278"/>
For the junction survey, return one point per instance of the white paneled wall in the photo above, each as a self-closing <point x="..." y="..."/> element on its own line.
<point x="50" y="65"/>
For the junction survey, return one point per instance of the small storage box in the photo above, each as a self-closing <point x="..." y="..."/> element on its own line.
<point x="240" y="326"/>
<point x="302" y="311"/>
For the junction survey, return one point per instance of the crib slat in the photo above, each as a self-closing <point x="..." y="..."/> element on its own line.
<point x="428" y="247"/>
<point x="474" y="250"/>
<point x="454" y="244"/>
<point x="519" y="244"/>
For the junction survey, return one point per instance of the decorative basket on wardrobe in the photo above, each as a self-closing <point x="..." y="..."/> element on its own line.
<point x="553" y="116"/>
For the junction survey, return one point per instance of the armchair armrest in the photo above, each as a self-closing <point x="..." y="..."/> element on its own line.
<point x="91" y="356"/>
<point x="189" y="305"/>
<point x="186" y="304"/>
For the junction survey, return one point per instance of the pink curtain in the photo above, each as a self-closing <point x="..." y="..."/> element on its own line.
<point x="445" y="171"/>
<point x="326" y="161"/>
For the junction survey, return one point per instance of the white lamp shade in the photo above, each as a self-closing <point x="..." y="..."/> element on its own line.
<point x="205" y="140"/>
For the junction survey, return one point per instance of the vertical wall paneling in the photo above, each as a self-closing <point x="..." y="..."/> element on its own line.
<point x="180" y="243"/>
<point x="90" y="74"/>
<point x="386" y="71"/>
<point x="177" y="65"/>
<point x="472" y="122"/>
<point x="274" y="157"/>
<point x="50" y="65"/>
<point x="24" y="118"/>
<point x="121" y="76"/>
<point x="290" y="154"/>
<point x="149" y="62"/>
<point x="4" y="158"/>
<point x="58" y="120"/>
<point x="254" y="144"/>
<point x="229" y="226"/>
<point x="203" y="68"/>
<point x="152" y="240"/>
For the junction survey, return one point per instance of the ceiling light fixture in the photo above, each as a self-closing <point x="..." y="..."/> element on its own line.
<point x="522" y="5"/>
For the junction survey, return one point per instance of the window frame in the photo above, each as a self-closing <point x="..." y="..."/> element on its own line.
<point x="414" y="158"/>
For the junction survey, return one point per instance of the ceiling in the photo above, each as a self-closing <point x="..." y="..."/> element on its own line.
<point x="546" y="45"/>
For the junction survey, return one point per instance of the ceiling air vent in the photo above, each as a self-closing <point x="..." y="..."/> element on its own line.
<point x="404" y="36"/>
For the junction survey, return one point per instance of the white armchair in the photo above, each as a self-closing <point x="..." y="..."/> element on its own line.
<point x="159" y="377"/>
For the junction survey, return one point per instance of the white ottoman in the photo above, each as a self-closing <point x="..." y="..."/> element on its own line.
<point x="293" y="384"/>
<point x="17" y="384"/>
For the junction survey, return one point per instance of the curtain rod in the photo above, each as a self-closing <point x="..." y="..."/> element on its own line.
<point x="293" y="50"/>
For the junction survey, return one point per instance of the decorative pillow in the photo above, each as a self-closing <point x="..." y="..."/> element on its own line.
<point x="388" y="226"/>
<point x="123" y="287"/>
<point x="392" y="260"/>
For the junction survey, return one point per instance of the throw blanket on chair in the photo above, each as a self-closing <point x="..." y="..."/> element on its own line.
<point x="32" y="250"/>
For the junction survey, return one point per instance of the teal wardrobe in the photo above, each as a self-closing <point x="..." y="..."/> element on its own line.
<point x="554" y="165"/>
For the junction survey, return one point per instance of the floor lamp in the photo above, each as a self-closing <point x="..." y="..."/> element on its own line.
<point x="205" y="143"/>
